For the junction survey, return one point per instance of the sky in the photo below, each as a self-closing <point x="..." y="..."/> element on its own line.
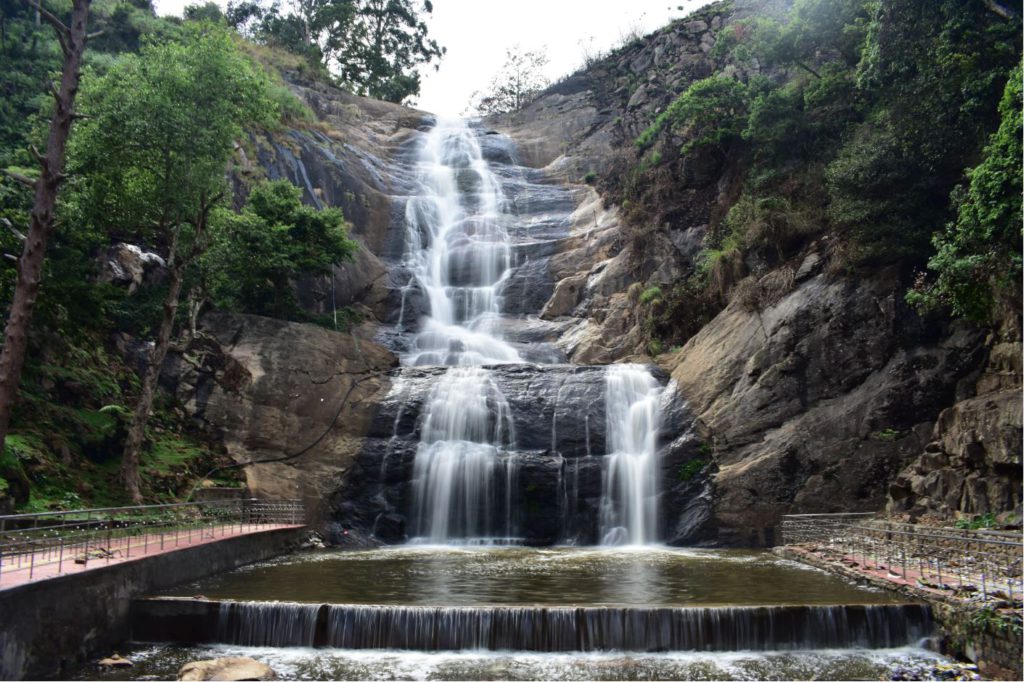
<point x="477" y="34"/>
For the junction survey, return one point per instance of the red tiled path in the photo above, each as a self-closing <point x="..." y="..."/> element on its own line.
<point x="25" y="568"/>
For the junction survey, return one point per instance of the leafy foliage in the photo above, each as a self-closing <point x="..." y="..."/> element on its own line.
<point x="978" y="256"/>
<point x="711" y="112"/>
<point x="863" y="119"/>
<point x="688" y="471"/>
<point x="932" y="73"/>
<point x="372" y="47"/>
<point x="162" y="126"/>
<point x="257" y="253"/>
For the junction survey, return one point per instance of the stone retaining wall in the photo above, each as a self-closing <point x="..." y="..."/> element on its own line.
<point x="51" y="625"/>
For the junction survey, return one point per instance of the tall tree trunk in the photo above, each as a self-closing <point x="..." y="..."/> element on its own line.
<point x="30" y="265"/>
<point x="137" y="431"/>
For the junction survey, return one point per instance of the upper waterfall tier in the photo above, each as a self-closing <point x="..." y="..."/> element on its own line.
<point x="458" y="250"/>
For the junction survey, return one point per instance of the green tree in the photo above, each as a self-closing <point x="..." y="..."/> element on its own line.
<point x="153" y="156"/>
<point x="256" y="254"/>
<point x="373" y="47"/>
<point x="72" y="38"/>
<point x="931" y="74"/>
<point x="978" y="257"/>
<point x="519" y="81"/>
<point x="378" y="53"/>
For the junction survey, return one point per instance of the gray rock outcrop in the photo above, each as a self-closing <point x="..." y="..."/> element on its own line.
<point x="269" y="389"/>
<point x="972" y="465"/>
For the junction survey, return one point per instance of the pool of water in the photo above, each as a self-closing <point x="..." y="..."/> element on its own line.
<point x="516" y="576"/>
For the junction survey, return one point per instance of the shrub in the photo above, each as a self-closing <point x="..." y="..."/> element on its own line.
<point x="650" y="295"/>
<point x="711" y="112"/>
<point x="688" y="471"/>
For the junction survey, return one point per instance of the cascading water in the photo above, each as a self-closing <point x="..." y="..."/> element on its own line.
<point x="463" y="465"/>
<point x="465" y="473"/>
<point x="458" y="251"/>
<point x="629" y="501"/>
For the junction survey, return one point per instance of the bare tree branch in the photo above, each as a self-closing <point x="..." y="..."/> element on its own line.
<point x="63" y="32"/>
<point x="10" y="226"/>
<point x="996" y="8"/>
<point x="18" y="177"/>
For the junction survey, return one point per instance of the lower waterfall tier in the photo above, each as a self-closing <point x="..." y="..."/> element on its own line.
<point x="549" y="453"/>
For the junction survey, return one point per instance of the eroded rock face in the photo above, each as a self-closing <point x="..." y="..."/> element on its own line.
<point x="269" y="388"/>
<point x="972" y="464"/>
<point x="816" y="403"/>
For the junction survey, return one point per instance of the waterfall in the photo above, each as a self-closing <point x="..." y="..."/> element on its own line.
<point x="465" y="470"/>
<point x="528" y="628"/>
<point x="458" y="251"/>
<point x="630" y="498"/>
<point x="463" y="458"/>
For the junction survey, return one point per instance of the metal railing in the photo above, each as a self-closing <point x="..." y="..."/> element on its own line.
<point x="987" y="563"/>
<point x="34" y="546"/>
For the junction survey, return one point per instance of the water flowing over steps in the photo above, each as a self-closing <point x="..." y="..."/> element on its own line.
<point x="484" y="438"/>
<point x="544" y="476"/>
<point x="540" y="629"/>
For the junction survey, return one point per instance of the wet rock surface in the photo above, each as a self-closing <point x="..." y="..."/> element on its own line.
<point x="558" y="442"/>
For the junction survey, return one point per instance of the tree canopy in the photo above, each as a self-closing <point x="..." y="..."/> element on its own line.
<point x="257" y="253"/>
<point x="371" y="47"/>
<point x="162" y="125"/>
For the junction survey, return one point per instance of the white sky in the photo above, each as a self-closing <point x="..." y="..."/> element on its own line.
<point x="478" y="32"/>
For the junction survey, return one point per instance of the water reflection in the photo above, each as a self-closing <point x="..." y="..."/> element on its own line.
<point x="473" y="576"/>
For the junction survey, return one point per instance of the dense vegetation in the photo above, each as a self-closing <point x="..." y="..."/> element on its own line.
<point x="875" y="124"/>
<point x="164" y="104"/>
<point x="370" y="47"/>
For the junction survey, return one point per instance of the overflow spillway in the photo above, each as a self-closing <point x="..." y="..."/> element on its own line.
<point x="529" y="628"/>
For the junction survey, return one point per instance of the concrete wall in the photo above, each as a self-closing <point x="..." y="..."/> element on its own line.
<point x="51" y="625"/>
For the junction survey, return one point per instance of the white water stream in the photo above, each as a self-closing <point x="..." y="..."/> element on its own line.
<point x="629" y="505"/>
<point x="459" y="251"/>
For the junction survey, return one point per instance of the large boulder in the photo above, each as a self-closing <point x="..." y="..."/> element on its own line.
<point x="127" y="265"/>
<point x="227" y="668"/>
<point x="269" y="389"/>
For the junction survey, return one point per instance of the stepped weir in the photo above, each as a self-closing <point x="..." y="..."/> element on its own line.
<point x="539" y="629"/>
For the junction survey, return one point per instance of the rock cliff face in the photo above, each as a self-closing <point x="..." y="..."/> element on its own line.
<point x="828" y="395"/>
<point x="814" y="403"/>
<point x="972" y="462"/>
<point x="270" y="390"/>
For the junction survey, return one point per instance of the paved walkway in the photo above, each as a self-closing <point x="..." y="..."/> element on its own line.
<point x="951" y="587"/>
<point x="57" y="560"/>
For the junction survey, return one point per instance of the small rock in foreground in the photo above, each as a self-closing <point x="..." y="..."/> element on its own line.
<point x="115" y="661"/>
<point x="227" y="668"/>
